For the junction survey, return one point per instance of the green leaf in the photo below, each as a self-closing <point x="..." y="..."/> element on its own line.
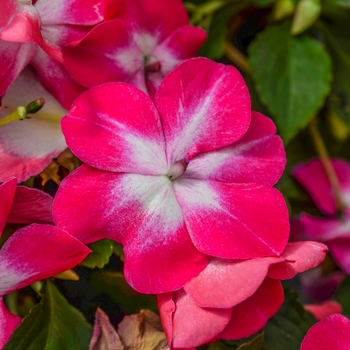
<point x="292" y="75"/>
<point x="288" y="327"/>
<point x="101" y="252"/>
<point x="254" y="344"/>
<point x="52" y="324"/>
<point x="342" y="295"/>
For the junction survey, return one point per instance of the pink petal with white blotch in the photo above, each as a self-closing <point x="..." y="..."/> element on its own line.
<point x="31" y="206"/>
<point x="203" y="106"/>
<point x="235" y="221"/>
<point x="22" y="261"/>
<point x="109" y="54"/>
<point x="78" y="12"/>
<point x="7" y="194"/>
<point x="253" y="313"/>
<point x="300" y="256"/>
<point x="188" y="325"/>
<point x="8" y="323"/>
<point x="138" y="211"/>
<point x="231" y="281"/>
<point x="122" y="125"/>
<point x="332" y="332"/>
<point x="258" y="157"/>
<point x="313" y="177"/>
<point x="28" y="146"/>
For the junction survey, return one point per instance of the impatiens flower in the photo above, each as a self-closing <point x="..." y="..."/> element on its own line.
<point x="34" y="32"/>
<point x="333" y="231"/>
<point x="332" y="332"/>
<point x="233" y="299"/>
<point x="187" y="176"/>
<point x="28" y="146"/>
<point x="328" y="307"/>
<point x="146" y="41"/>
<point x="34" y="252"/>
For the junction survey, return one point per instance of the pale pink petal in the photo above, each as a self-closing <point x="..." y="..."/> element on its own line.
<point x="78" y="12"/>
<point x="108" y="52"/>
<point x="235" y="221"/>
<point x="300" y="256"/>
<point x="7" y="194"/>
<point x="187" y="324"/>
<point x="8" y="323"/>
<point x="252" y="314"/>
<point x="257" y="157"/>
<point x="325" y="309"/>
<point x="31" y="206"/>
<point x="122" y="125"/>
<point x="138" y="211"/>
<point x="313" y="177"/>
<point x="332" y="332"/>
<point x="28" y="146"/>
<point x="48" y="252"/>
<point x="204" y="106"/>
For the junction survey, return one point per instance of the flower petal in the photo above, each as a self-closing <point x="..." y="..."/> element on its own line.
<point x="27" y="146"/>
<point x="300" y="256"/>
<point x="313" y="177"/>
<point x="204" y="106"/>
<point x="231" y="281"/>
<point x="122" y="125"/>
<point x="7" y="194"/>
<point x="8" y="323"/>
<point x="187" y="324"/>
<point x="325" y="309"/>
<point x="258" y="157"/>
<point x="332" y="332"/>
<point x="252" y="314"/>
<point x="339" y="249"/>
<point x="235" y="221"/>
<point x="22" y="264"/>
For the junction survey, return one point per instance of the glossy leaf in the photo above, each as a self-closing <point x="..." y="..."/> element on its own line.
<point x="101" y="252"/>
<point x="292" y="76"/>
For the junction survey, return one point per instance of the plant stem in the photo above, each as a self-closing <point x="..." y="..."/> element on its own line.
<point x="237" y="58"/>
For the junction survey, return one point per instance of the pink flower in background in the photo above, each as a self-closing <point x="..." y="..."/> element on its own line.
<point x="333" y="231"/>
<point x="332" y="332"/>
<point x="31" y="253"/>
<point x="233" y="299"/>
<point x="28" y="146"/>
<point x="146" y="40"/>
<point x="325" y="309"/>
<point x="177" y="180"/>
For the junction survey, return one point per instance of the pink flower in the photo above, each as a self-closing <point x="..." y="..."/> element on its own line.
<point x="332" y="332"/>
<point x="333" y="231"/>
<point x="233" y="299"/>
<point x="28" y="146"/>
<point x="146" y="41"/>
<point x="32" y="253"/>
<point x="325" y="309"/>
<point x="177" y="180"/>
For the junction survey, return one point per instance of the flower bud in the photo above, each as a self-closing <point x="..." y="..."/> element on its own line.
<point x="307" y="11"/>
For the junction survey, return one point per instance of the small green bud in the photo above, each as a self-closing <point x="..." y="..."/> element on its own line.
<point x="283" y="8"/>
<point x="307" y="11"/>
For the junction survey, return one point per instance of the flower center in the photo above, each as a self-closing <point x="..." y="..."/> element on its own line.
<point x="177" y="169"/>
<point x="152" y="64"/>
<point x="25" y="2"/>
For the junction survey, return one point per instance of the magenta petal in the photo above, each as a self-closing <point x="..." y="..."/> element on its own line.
<point x="257" y="157"/>
<point x="325" y="309"/>
<point x="252" y="314"/>
<point x="204" y="106"/>
<point x="8" y="323"/>
<point x="253" y="218"/>
<point x="231" y="281"/>
<point x="8" y="10"/>
<point x="191" y="325"/>
<point x="300" y="256"/>
<point x="332" y="332"/>
<point x="312" y="176"/>
<point x="7" y="194"/>
<point x="122" y="125"/>
<point x="31" y="206"/>
<point x="37" y="252"/>
<point x="339" y="249"/>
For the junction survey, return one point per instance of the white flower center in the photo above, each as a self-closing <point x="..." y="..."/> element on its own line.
<point x="177" y="169"/>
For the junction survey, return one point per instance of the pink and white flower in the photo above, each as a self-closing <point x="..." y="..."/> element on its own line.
<point x="176" y="180"/>
<point x="145" y="41"/>
<point x="333" y="231"/>
<point x="32" y="253"/>
<point x="233" y="299"/>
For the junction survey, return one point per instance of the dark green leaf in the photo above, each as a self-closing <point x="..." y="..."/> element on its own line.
<point x="292" y="75"/>
<point x="343" y="294"/>
<point x="254" y="344"/>
<point x="52" y="324"/>
<point x="101" y="252"/>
